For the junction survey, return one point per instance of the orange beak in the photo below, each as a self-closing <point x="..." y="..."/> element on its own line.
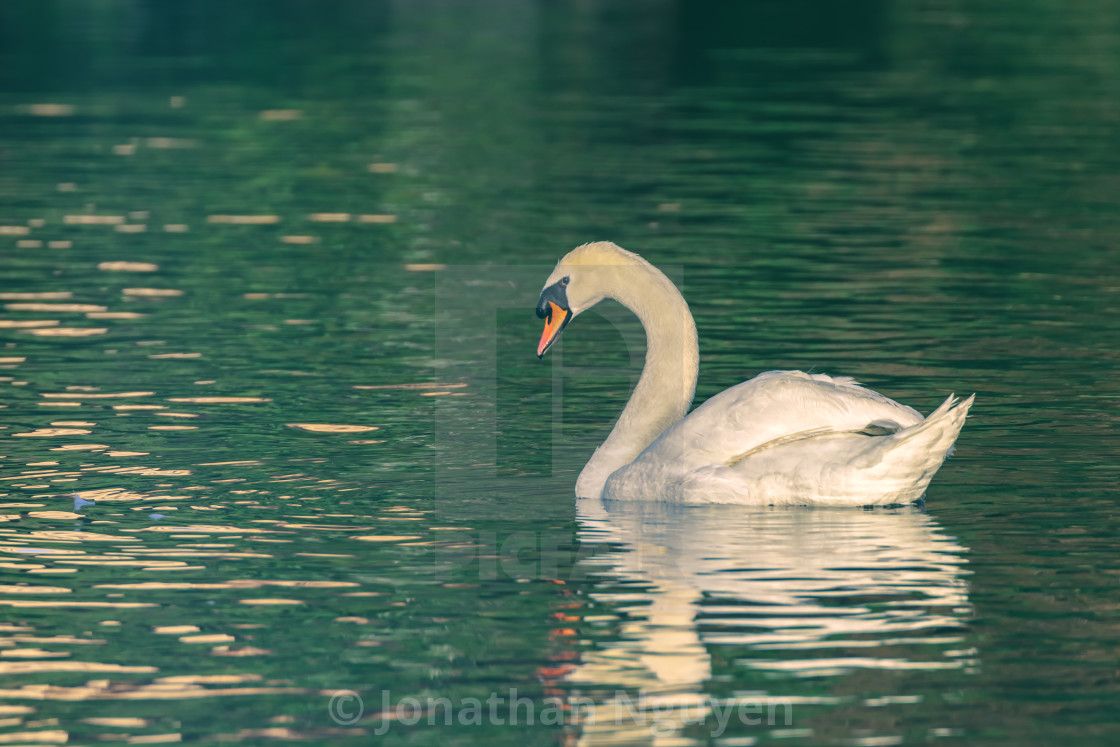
<point x="557" y="319"/>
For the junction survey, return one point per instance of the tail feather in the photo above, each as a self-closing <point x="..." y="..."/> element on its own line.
<point x="914" y="454"/>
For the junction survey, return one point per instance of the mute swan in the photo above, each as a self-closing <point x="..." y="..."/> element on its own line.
<point x="784" y="437"/>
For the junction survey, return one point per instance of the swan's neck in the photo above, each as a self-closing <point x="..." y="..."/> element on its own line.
<point x="668" y="381"/>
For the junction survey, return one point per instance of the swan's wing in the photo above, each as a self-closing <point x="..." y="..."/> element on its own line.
<point x="880" y="428"/>
<point x="776" y="406"/>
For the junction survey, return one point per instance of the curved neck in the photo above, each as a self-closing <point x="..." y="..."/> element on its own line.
<point x="668" y="381"/>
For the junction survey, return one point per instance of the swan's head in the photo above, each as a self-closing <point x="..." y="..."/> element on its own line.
<point x="584" y="277"/>
<point x="556" y="310"/>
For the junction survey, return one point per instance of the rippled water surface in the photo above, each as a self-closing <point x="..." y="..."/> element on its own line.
<point x="274" y="438"/>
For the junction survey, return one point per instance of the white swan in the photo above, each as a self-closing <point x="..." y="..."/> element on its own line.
<point x="784" y="437"/>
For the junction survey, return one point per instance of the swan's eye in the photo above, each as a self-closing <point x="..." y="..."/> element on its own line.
<point x="564" y="281"/>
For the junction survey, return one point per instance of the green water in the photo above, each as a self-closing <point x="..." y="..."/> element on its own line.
<point x="221" y="223"/>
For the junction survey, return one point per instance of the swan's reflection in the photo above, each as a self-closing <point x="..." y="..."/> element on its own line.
<point x="794" y="585"/>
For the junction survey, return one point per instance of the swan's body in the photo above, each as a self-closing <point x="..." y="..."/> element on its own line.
<point x="784" y="437"/>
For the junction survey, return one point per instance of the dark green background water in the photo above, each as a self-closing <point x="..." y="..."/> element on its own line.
<point x="921" y="195"/>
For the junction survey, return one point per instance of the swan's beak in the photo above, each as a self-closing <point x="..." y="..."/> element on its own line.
<point x="557" y="318"/>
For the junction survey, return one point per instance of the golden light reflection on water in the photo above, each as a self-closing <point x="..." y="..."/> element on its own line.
<point x="242" y="583"/>
<point x="33" y="653"/>
<point x="97" y="395"/>
<point x="114" y="315"/>
<point x="207" y="638"/>
<point x="218" y="400"/>
<point x="54" y="307"/>
<point x="66" y="331"/>
<point x="123" y="266"/>
<point x="280" y="115"/>
<point x="52" y="432"/>
<point x="23" y="653"/>
<point x="149" y="546"/>
<point x="326" y="428"/>
<point x="159" y="548"/>
<point x="27" y="323"/>
<point x="244" y="220"/>
<point x="35" y="603"/>
<point x="8" y="589"/>
<point x="34" y="295"/>
<point x="129" y="690"/>
<point x="93" y="220"/>
<point x="36" y="667"/>
<point x="50" y="110"/>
